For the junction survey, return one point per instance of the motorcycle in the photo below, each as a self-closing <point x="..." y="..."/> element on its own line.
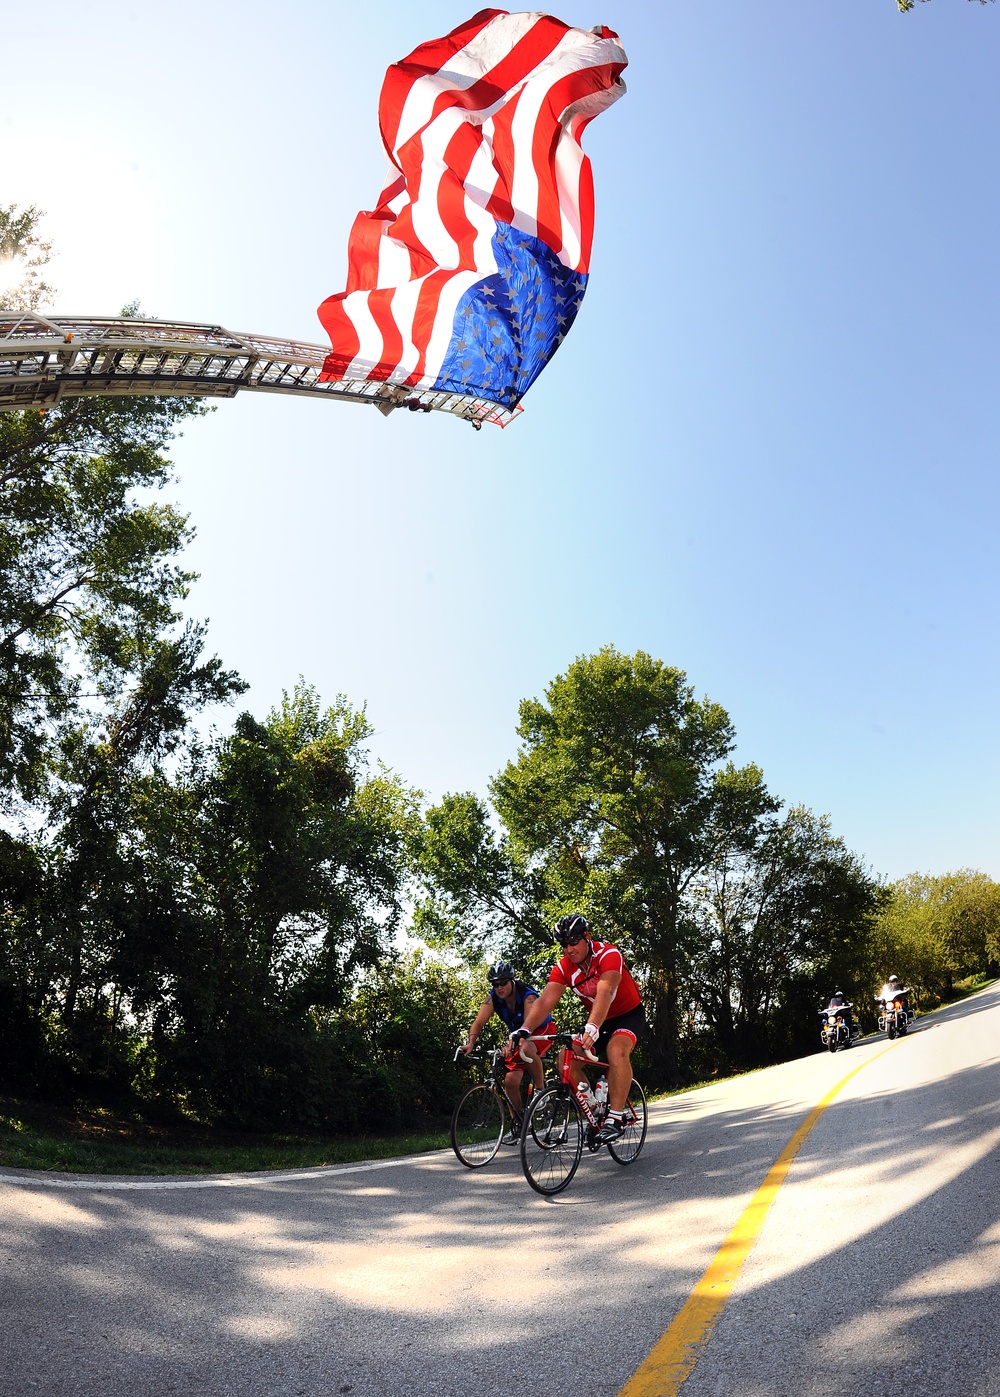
<point x="893" y="1019"/>
<point x="835" y="1032"/>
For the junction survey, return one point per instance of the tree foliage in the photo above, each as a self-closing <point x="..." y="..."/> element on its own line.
<point x="479" y="896"/>
<point x="287" y="869"/>
<point x="624" y="802"/>
<point x="89" y="578"/>
<point x="395" y="1044"/>
<point x="621" y="795"/>
<point x="23" y="254"/>
<point x="213" y="918"/>
<point x="90" y="582"/>
<point x="775" y="927"/>
<point x="937" y="929"/>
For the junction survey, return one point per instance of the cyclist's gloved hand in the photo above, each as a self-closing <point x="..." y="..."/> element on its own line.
<point x="519" y="1035"/>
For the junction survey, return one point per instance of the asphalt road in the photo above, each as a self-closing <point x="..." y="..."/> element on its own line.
<point x="877" y="1271"/>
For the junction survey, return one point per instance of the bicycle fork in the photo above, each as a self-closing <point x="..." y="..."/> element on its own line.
<point x="595" y="1120"/>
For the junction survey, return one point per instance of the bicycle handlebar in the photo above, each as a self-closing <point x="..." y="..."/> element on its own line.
<point x="491" y="1054"/>
<point x="574" y="1041"/>
<point x="533" y="1038"/>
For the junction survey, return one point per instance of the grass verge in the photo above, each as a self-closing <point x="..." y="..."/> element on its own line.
<point x="89" y="1140"/>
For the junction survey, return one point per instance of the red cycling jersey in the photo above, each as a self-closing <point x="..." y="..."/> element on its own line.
<point x="583" y="978"/>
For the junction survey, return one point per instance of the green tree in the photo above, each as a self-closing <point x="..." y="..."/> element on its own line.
<point x="23" y="254"/>
<point x="99" y="676"/>
<point x="287" y="869"/>
<point x="395" y="1043"/>
<point x="202" y="933"/>
<point x="620" y="797"/>
<point x="479" y="898"/>
<point x="107" y="778"/>
<point x="89" y="582"/>
<point x="939" y="928"/>
<point x="776" y="926"/>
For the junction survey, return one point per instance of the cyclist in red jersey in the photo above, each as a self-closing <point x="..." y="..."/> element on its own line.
<point x="596" y="971"/>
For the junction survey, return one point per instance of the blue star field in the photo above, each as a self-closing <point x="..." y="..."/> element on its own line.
<point x="509" y="325"/>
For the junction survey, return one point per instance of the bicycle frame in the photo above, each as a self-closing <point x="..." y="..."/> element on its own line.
<point x="479" y="1120"/>
<point x="560" y="1122"/>
<point x="497" y="1073"/>
<point x="569" y="1054"/>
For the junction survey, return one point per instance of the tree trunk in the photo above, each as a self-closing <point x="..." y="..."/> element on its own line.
<point x="725" y="1030"/>
<point x="661" y="1011"/>
<point x="73" y="985"/>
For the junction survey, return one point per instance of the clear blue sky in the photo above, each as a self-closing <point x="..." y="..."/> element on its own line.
<point x="766" y="453"/>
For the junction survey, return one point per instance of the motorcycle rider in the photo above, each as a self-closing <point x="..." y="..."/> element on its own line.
<point x="894" y="989"/>
<point x="839" y="1002"/>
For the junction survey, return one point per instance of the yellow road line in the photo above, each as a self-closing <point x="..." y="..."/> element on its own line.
<point x="676" y="1353"/>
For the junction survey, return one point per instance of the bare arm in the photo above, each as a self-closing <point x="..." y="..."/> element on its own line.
<point x="539" y="1009"/>
<point x="482" y="1018"/>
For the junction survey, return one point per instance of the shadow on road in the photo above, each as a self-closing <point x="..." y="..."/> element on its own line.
<point x="431" y="1278"/>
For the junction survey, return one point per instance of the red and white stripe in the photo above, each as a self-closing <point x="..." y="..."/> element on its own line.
<point x="483" y="125"/>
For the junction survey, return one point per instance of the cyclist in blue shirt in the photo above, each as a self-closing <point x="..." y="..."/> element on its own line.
<point x="508" y="999"/>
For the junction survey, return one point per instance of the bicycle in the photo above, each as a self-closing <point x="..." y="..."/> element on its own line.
<point x="479" y="1120"/>
<point x="562" y="1118"/>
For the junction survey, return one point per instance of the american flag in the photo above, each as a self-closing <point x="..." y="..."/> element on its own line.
<point x="468" y="274"/>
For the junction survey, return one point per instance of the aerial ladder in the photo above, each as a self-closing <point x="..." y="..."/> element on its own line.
<point x="44" y="360"/>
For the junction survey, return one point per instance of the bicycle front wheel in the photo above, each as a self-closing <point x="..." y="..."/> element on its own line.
<point x="477" y="1126"/>
<point x="551" y="1140"/>
<point x="630" y="1142"/>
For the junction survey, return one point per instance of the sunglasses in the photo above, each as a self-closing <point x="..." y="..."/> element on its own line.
<point x="575" y="939"/>
<point x="499" y="984"/>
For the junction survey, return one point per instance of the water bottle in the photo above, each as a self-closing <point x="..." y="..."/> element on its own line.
<point x="601" y="1094"/>
<point x="585" y="1094"/>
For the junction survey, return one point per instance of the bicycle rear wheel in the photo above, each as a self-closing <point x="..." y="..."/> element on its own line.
<point x="552" y="1140"/>
<point x="477" y="1126"/>
<point x="627" y="1146"/>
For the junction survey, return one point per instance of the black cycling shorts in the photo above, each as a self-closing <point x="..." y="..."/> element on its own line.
<point x="633" y="1023"/>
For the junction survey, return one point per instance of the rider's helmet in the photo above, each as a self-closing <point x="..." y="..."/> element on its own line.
<point x="500" y="972"/>
<point x="895" y="980"/>
<point x="571" y="928"/>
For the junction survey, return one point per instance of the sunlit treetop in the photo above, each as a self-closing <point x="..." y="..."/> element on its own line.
<point x="22" y="255"/>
